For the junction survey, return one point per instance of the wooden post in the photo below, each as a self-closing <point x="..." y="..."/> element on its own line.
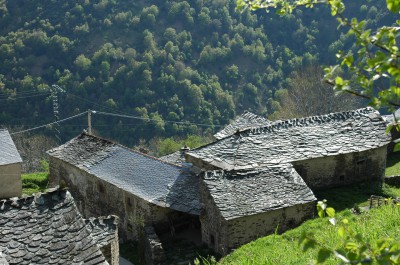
<point x="89" y="122"/>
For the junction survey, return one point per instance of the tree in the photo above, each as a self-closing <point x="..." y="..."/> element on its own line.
<point x="308" y="95"/>
<point x="372" y="64"/>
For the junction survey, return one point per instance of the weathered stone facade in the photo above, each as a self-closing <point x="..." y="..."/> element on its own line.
<point x="10" y="167"/>
<point x="106" y="178"/>
<point x="96" y="197"/>
<point x="254" y="191"/>
<point x="343" y="169"/>
<point x="239" y="207"/>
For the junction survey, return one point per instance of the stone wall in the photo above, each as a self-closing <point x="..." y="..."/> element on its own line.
<point x="213" y="226"/>
<point x="225" y="235"/>
<point x="345" y="169"/>
<point x="245" y="229"/>
<point x="96" y="197"/>
<point x="153" y="251"/>
<point x="11" y="183"/>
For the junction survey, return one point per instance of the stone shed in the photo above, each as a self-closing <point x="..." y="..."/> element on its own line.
<point x="48" y="229"/>
<point x="241" y="206"/>
<point x="329" y="150"/>
<point x="10" y="167"/>
<point x="107" y="178"/>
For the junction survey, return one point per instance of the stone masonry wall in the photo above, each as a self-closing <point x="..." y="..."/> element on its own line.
<point x="96" y="197"/>
<point x="213" y="226"/>
<point x="225" y="235"/>
<point x="11" y="183"/>
<point x="341" y="170"/>
<point x="153" y="251"/>
<point x="245" y="229"/>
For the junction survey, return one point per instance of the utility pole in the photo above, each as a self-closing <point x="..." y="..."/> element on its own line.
<point x="89" y="118"/>
<point x="55" y="89"/>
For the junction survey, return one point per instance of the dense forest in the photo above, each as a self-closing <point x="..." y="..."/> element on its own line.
<point x="183" y="67"/>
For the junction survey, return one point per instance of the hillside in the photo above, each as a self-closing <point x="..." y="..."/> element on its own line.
<point x="168" y="61"/>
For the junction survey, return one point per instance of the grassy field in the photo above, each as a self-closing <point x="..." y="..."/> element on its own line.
<point x="284" y="249"/>
<point x="34" y="182"/>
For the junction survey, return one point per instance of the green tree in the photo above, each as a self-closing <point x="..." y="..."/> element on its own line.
<point x="373" y="62"/>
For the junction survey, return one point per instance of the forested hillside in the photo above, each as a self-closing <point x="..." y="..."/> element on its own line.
<point x="171" y="61"/>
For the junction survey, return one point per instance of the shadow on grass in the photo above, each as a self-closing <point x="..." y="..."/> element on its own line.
<point x="393" y="164"/>
<point x="346" y="197"/>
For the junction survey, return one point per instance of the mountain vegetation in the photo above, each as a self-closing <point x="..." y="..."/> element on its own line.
<point x="180" y="67"/>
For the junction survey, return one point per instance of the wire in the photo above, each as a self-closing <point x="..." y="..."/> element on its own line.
<point x="42" y="126"/>
<point x="149" y="119"/>
<point x="11" y="97"/>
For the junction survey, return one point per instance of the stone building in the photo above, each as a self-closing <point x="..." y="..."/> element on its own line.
<point x="48" y="229"/>
<point x="10" y="167"/>
<point x="107" y="178"/>
<point x="326" y="151"/>
<point x="243" y="205"/>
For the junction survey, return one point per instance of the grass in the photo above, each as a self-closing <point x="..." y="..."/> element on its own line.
<point x="393" y="164"/>
<point x="34" y="182"/>
<point x="284" y="249"/>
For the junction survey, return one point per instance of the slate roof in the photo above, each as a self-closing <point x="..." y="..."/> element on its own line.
<point x="46" y="229"/>
<point x="147" y="177"/>
<point x="8" y="152"/>
<point x="242" y="193"/>
<point x="297" y="139"/>
<point x="103" y="229"/>
<point x="245" y="121"/>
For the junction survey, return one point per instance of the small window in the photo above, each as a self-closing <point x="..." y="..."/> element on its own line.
<point x="341" y="177"/>
<point x="212" y="240"/>
<point x="128" y="201"/>
<point x="100" y="187"/>
<point x="361" y="168"/>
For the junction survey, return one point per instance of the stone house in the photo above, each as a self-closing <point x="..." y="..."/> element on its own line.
<point x="326" y="151"/>
<point x="10" y="167"/>
<point x="48" y="229"/>
<point x="107" y="178"/>
<point x="243" y="205"/>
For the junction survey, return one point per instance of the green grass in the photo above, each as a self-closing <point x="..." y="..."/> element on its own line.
<point x="284" y="249"/>
<point x="34" y="182"/>
<point x="393" y="164"/>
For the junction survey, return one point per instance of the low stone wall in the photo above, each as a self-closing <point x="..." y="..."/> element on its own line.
<point x="392" y="180"/>
<point x="153" y="251"/>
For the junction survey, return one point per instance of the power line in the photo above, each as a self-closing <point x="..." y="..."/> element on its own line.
<point x="149" y="119"/>
<point x="42" y="126"/>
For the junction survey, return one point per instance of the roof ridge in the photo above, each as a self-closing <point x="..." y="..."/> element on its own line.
<point x="305" y="121"/>
<point x="115" y="144"/>
<point x="37" y="198"/>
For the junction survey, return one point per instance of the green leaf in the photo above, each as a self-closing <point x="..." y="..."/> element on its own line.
<point x="323" y="254"/>
<point x="330" y="212"/>
<point x="396" y="147"/>
<point x="389" y="128"/>
<point x="341" y="231"/>
<point x="339" y="81"/>
<point x="393" y="5"/>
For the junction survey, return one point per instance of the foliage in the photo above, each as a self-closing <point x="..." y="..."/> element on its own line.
<point x="170" y="145"/>
<point x="307" y="95"/>
<point x="172" y="62"/>
<point x="34" y="182"/>
<point x="372" y="61"/>
<point x="354" y="248"/>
